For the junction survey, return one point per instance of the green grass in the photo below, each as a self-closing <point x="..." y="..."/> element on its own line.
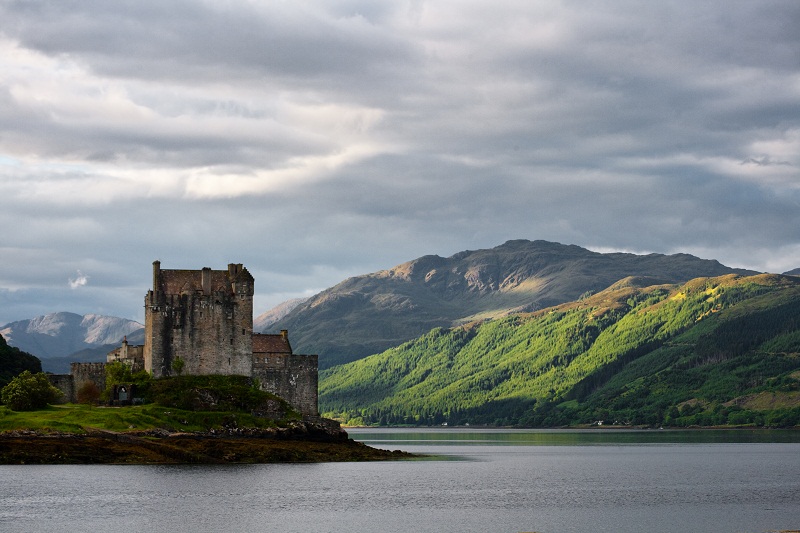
<point x="72" y="418"/>
<point x="187" y="403"/>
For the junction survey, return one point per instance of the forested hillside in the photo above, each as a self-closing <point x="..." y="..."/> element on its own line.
<point x="14" y="361"/>
<point x="367" y="314"/>
<point x="722" y="350"/>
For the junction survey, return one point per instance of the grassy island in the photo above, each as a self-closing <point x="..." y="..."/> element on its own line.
<point x="190" y="419"/>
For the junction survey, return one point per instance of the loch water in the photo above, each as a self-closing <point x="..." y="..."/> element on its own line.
<point x="472" y="480"/>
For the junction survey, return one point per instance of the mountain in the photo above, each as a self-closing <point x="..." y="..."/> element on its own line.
<point x="60" y="335"/>
<point x="367" y="314"/>
<point x="722" y="350"/>
<point x="95" y="354"/>
<point x="794" y="272"/>
<point x="263" y="321"/>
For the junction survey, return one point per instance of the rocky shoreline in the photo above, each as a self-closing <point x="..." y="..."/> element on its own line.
<point x="312" y="440"/>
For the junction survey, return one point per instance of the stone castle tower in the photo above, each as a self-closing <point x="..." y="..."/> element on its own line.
<point x="204" y="317"/>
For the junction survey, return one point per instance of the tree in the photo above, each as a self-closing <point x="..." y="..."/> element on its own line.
<point x="118" y="373"/>
<point x="89" y="393"/>
<point x="28" y="392"/>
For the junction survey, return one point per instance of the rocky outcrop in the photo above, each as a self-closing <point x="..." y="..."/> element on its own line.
<point x="311" y="440"/>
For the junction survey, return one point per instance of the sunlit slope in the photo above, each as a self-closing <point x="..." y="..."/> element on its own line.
<point x="711" y="351"/>
<point x="367" y="314"/>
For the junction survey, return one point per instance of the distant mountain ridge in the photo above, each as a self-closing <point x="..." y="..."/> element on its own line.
<point x="367" y="314"/>
<point x="263" y="321"/>
<point x="56" y="336"/>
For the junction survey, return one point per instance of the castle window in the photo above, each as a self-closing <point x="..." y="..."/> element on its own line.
<point x="231" y="341"/>
<point x="242" y="331"/>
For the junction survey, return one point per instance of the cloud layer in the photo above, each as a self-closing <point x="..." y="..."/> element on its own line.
<point x="314" y="142"/>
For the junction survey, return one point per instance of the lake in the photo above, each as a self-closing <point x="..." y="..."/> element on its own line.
<point x="474" y="480"/>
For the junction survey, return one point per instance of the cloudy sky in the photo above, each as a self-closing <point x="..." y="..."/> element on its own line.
<point x="313" y="141"/>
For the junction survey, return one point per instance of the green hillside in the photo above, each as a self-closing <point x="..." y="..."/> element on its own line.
<point x="367" y="314"/>
<point x="713" y="351"/>
<point x="14" y="361"/>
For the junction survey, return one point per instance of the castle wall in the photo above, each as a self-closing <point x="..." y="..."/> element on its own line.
<point x="211" y="334"/>
<point x="65" y="384"/>
<point x="293" y="377"/>
<point x="83" y="373"/>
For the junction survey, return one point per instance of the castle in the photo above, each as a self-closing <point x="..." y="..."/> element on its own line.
<point x="200" y="322"/>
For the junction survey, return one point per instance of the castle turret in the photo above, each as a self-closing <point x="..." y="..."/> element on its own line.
<point x="156" y="275"/>
<point x="154" y="322"/>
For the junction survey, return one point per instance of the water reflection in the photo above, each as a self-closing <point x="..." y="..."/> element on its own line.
<point x="383" y="437"/>
<point x="495" y="480"/>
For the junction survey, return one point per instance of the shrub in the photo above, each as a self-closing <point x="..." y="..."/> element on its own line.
<point x="89" y="393"/>
<point x="28" y="392"/>
<point x="118" y="373"/>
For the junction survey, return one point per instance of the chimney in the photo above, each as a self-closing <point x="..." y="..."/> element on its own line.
<point x="285" y="337"/>
<point x="205" y="280"/>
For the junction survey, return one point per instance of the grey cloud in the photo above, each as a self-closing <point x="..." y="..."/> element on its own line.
<point x="191" y="41"/>
<point x="661" y="127"/>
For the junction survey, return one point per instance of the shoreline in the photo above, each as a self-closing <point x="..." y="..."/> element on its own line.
<point x="153" y="448"/>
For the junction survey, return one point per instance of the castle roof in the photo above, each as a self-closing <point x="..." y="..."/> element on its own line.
<point x="269" y="343"/>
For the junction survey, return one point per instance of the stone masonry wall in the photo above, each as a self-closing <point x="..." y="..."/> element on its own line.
<point x="292" y="377"/>
<point x="65" y="384"/>
<point x="211" y="334"/>
<point x="83" y="373"/>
